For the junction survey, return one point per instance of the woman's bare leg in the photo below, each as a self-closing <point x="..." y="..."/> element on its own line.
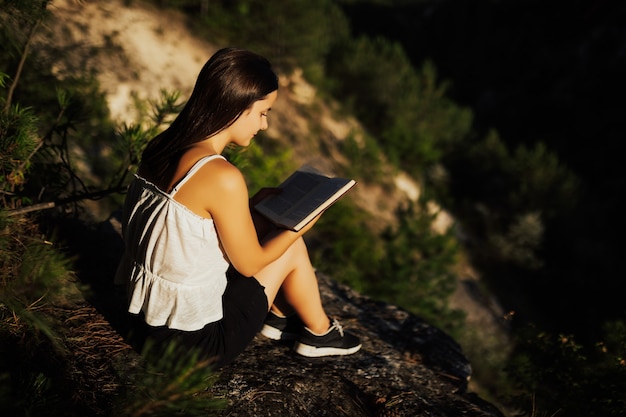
<point x="290" y="282"/>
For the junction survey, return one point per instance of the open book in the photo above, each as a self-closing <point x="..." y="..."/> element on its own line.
<point x="303" y="196"/>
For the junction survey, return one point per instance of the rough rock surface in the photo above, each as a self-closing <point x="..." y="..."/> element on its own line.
<point x="405" y="368"/>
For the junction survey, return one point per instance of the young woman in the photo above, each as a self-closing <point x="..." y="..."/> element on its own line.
<point x="202" y="269"/>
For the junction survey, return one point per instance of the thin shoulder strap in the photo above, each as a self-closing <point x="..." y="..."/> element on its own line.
<point x="199" y="164"/>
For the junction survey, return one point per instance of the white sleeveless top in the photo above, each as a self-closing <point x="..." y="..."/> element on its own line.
<point x="173" y="263"/>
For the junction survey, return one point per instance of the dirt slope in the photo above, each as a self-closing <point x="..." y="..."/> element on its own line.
<point x="133" y="50"/>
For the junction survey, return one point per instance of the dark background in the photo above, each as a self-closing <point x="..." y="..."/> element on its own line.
<point x="539" y="71"/>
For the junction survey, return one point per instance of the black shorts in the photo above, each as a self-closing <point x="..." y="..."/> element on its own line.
<point x="244" y="310"/>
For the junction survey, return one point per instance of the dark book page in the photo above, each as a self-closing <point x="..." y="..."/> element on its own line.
<point x="293" y="190"/>
<point x="303" y="196"/>
<point x="308" y="205"/>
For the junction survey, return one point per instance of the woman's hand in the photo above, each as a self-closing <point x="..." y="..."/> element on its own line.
<point x="310" y="224"/>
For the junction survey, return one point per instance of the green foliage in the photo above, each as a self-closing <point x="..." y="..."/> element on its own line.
<point x="563" y="376"/>
<point x="171" y="382"/>
<point x="27" y="385"/>
<point x="31" y="270"/>
<point x="518" y="244"/>
<point x="526" y="180"/>
<point x="64" y="148"/>
<point x="543" y="182"/>
<point x="408" y="110"/>
<point x="344" y="246"/>
<point x="153" y="117"/>
<point x="374" y="75"/>
<point x="365" y="158"/>
<point x="32" y="274"/>
<point x="416" y="270"/>
<point x="261" y="168"/>
<point x="50" y="150"/>
<point x="488" y="352"/>
<point x="274" y="28"/>
<point x="18" y="141"/>
<point x="507" y="198"/>
<point x="19" y="21"/>
<point x="425" y="124"/>
<point x="409" y="265"/>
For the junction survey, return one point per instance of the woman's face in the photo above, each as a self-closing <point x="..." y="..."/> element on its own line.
<point x="252" y="120"/>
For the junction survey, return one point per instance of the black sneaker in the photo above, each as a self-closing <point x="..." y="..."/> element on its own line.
<point x="333" y="342"/>
<point x="282" y="328"/>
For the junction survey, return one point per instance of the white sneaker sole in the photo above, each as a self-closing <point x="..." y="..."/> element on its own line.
<point x="275" y="334"/>
<point x="317" y="352"/>
<point x="271" y="332"/>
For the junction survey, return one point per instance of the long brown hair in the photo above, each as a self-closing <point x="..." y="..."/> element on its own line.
<point x="228" y="84"/>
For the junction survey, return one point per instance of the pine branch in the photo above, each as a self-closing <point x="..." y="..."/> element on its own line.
<point x="95" y="195"/>
<point x="20" y="66"/>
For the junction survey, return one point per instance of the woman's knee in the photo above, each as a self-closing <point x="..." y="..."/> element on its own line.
<point x="298" y="248"/>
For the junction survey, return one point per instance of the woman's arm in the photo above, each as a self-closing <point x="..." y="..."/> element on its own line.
<point x="220" y="189"/>
<point x="264" y="228"/>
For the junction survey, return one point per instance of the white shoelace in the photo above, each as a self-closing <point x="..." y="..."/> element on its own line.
<point x="337" y="326"/>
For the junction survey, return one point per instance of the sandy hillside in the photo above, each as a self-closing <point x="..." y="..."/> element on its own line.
<point x="144" y="49"/>
<point x="139" y="50"/>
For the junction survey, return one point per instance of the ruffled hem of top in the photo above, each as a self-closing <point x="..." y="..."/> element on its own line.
<point x="174" y="305"/>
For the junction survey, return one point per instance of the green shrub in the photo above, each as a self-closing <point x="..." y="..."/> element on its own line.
<point x="274" y="28"/>
<point x="344" y="246"/>
<point x="18" y="142"/>
<point x="416" y="271"/>
<point x="170" y="382"/>
<point x="261" y="168"/>
<point x="409" y="265"/>
<point x="365" y="158"/>
<point x="373" y="75"/>
<point x="406" y="110"/>
<point x="558" y="374"/>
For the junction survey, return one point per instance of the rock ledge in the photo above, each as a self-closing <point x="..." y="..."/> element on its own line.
<point x="405" y="368"/>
